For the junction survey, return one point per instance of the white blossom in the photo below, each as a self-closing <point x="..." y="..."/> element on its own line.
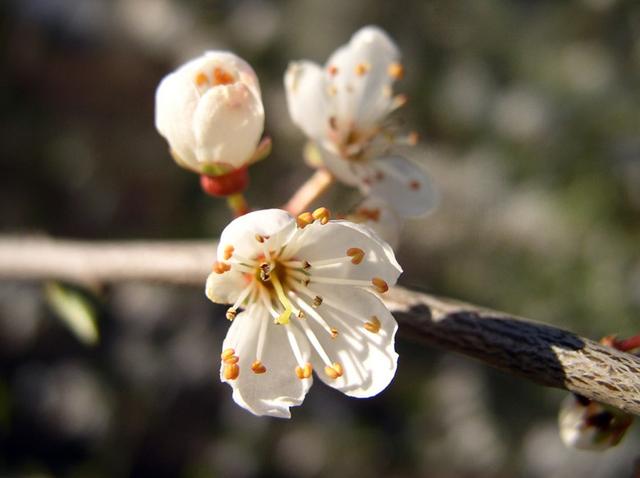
<point x="303" y="295"/>
<point x="210" y="111"/>
<point x="343" y="107"/>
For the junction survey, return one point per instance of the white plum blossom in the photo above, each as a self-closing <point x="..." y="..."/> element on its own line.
<point x="344" y="106"/>
<point x="210" y="111"/>
<point x="307" y="289"/>
<point x="588" y="425"/>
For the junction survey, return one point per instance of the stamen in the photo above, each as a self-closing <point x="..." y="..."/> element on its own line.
<point x="231" y="371"/>
<point x="257" y="367"/>
<point x="413" y="138"/>
<point x="232" y="360"/>
<point x="304" y="372"/>
<point x="370" y="214"/>
<point x="373" y="325"/>
<point x="362" y="68"/>
<point x="265" y="272"/>
<point x="304" y="219"/>
<point x="226" y="353"/>
<point x="334" y="371"/>
<point x="232" y="311"/>
<point x="322" y="214"/>
<point x="295" y="348"/>
<point x="333" y="70"/>
<point x="231" y="314"/>
<point x="222" y="77"/>
<point x="261" y="238"/>
<point x="317" y="301"/>
<point x="414" y="185"/>
<point x="201" y="79"/>
<point x="380" y="285"/>
<point x="220" y="267"/>
<point x="398" y="102"/>
<point x="316" y="343"/>
<point x="334" y="333"/>
<point x="262" y="335"/>
<point x="228" y="252"/>
<point x="333" y="123"/>
<point x="313" y="313"/>
<point x="300" y="315"/>
<point x="396" y="71"/>
<point x="356" y="255"/>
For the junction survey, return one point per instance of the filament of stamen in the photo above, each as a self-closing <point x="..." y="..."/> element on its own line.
<point x="313" y="313"/>
<point x="243" y="295"/>
<point x="340" y="281"/>
<point x="262" y="335"/>
<point x="315" y="342"/>
<point x="294" y="346"/>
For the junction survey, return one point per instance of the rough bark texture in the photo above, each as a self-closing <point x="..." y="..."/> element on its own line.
<point x="541" y="353"/>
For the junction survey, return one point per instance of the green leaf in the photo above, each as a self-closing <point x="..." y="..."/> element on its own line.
<point x="75" y="310"/>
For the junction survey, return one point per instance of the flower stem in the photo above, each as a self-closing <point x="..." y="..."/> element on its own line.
<point x="238" y="204"/>
<point x="311" y="190"/>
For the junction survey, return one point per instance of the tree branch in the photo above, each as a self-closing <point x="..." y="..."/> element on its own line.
<point x="541" y="353"/>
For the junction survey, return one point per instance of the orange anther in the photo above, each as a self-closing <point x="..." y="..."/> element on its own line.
<point x="231" y="314"/>
<point x="380" y="285"/>
<point x="222" y="77"/>
<point x="231" y="360"/>
<point x="356" y="255"/>
<point x="333" y="371"/>
<point x="415" y="185"/>
<point x="201" y="79"/>
<point x="258" y="367"/>
<point x="370" y="214"/>
<point x="396" y="71"/>
<point x="373" y="325"/>
<point x="231" y="371"/>
<point x="334" y="333"/>
<point x="226" y="353"/>
<point x="322" y="214"/>
<point x="260" y="238"/>
<point x="304" y="372"/>
<point x="413" y="138"/>
<point x="333" y="70"/>
<point x="362" y="68"/>
<point x="221" y="267"/>
<point x="228" y="252"/>
<point x="304" y="219"/>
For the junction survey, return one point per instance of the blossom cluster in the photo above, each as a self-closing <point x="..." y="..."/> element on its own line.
<point x="303" y="287"/>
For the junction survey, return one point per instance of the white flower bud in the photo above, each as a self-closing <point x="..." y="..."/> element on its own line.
<point x="210" y="111"/>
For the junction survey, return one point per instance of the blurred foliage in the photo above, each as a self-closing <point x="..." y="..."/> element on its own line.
<point x="530" y="115"/>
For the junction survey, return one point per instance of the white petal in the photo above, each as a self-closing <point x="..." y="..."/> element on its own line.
<point x="364" y="98"/>
<point x="227" y="123"/>
<point x="224" y="288"/>
<point x="346" y="171"/>
<point x="368" y="359"/>
<point x="241" y="232"/>
<point x="305" y="85"/>
<point x="334" y="239"/>
<point x="175" y="104"/>
<point x="275" y="391"/>
<point x="402" y="184"/>
<point x="376" y="214"/>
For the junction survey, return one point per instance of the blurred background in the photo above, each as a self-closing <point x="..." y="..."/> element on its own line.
<point x="529" y="114"/>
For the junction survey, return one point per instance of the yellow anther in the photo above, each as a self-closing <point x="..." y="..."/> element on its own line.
<point x="373" y="325"/>
<point x="231" y="360"/>
<point x="317" y="301"/>
<point x="258" y="367"/>
<point x="380" y="285"/>
<point x="220" y="267"/>
<point x="228" y="252"/>
<point x="334" y="333"/>
<point x="231" y="371"/>
<point x="333" y="70"/>
<point x="222" y="77"/>
<point x="301" y="314"/>
<point x="231" y="314"/>
<point x="226" y="353"/>
<point x="304" y="219"/>
<point x="362" y="68"/>
<point x="396" y="71"/>
<point x="356" y="255"/>
<point x="322" y="214"/>
<point x="333" y="371"/>
<point x="201" y="79"/>
<point x="304" y="372"/>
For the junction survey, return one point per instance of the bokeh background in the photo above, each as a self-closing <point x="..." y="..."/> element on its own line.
<point x="529" y="113"/>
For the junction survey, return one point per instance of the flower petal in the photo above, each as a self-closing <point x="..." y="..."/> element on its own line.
<point x="362" y="81"/>
<point x="346" y="171"/>
<point x="276" y="390"/>
<point x="227" y="124"/>
<point x="274" y="224"/>
<point x="226" y="287"/>
<point x="368" y="359"/>
<point x="334" y="239"/>
<point x="305" y="85"/>
<point x="375" y="213"/>
<point x="402" y="184"/>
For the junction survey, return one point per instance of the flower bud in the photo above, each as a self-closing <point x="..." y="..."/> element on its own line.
<point x="210" y="111"/>
<point x="589" y="425"/>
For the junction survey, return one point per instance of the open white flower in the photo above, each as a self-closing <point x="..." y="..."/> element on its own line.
<point x="210" y="111"/>
<point x="343" y="107"/>
<point x="306" y="286"/>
